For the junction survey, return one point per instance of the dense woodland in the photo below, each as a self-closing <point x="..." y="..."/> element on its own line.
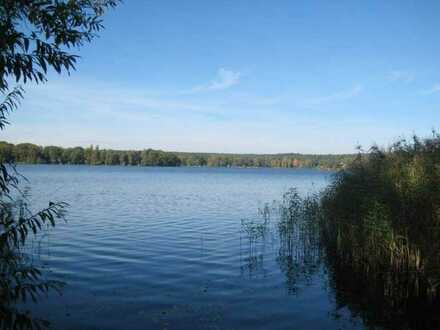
<point x="29" y="153"/>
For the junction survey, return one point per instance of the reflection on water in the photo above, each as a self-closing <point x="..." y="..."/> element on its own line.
<point x="22" y="276"/>
<point x="154" y="248"/>
<point x="388" y="302"/>
<point x="284" y="229"/>
<point x="395" y="300"/>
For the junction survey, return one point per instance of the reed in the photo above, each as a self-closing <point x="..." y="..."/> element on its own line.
<point x="380" y="223"/>
<point x="377" y="230"/>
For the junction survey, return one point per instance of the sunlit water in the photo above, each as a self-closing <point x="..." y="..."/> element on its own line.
<point x="163" y="248"/>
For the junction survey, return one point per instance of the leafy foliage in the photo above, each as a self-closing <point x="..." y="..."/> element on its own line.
<point x="36" y="35"/>
<point x="9" y="104"/>
<point x="20" y="279"/>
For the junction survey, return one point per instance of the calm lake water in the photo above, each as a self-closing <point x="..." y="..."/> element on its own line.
<point x="163" y="248"/>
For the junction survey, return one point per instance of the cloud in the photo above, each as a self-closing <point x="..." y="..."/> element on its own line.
<point x="224" y="79"/>
<point x="402" y="76"/>
<point x="339" y="96"/>
<point x="434" y="89"/>
<point x="79" y="98"/>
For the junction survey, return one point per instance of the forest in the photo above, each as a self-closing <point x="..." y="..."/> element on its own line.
<point x="28" y="153"/>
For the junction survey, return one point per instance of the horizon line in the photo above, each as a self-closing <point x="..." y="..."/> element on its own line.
<point x="186" y="152"/>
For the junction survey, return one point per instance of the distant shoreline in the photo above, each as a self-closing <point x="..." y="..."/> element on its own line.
<point x="28" y="153"/>
<point x="181" y="166"/>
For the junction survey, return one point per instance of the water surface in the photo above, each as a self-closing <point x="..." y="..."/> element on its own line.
<point x="163" y="248"/>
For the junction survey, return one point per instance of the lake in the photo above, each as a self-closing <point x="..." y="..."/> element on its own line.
<point x="164" y="248"/>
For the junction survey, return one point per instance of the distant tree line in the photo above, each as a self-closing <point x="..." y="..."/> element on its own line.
<point x="28" y="153"/>
<point x="291" y="160"/>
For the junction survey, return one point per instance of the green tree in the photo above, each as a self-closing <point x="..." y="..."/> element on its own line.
<point x="146" y="159"/>
<point x="124" y="158"/>
<point x="28" y="153"/>
<point x="53" y="155"/>
<point x="36" y="35"/>
<point x="96" y="157"/>
<point x="76" y="156"/>
<point x="88" y="155"/>
<point x="6" y="152"/>
<point x="111" y="157"/>
<point x="134" y="158"/>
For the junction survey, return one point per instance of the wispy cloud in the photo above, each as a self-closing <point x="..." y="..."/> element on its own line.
<point x="401" y="76"/>
<point x="101" y="99"/>
<point x="224" y="79"/>
<point x="434" y="89"/>
<point x="338" y="96"/>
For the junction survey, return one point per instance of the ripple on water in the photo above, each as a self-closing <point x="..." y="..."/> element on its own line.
<point x="162" y="248"/>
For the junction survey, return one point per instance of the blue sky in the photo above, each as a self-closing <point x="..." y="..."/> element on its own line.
<point x="245" y="76"/>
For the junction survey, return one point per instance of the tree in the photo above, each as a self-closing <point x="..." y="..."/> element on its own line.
<point x="28" y="153"/>
<point x="6" y="152"/>
<point x="111" y="157"/>
<point x="36" y="35"/>
<point x="146" y="158"/>
<point x="96" y="158"/>
<point x="76" y="156"/>
<point x="124" y="158"/>
<point x="134" y="158"/>
<point x="53" y="155"/>
<point x="88" y="155"/>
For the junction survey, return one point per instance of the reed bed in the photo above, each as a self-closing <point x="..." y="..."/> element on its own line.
<point x="377" y="229"/>
<point x="380" y="223"/>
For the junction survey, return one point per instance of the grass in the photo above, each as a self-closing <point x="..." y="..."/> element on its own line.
<point x="382" y="214"/>
<point x="377" y="229"/>
<point x="380" y="230"/>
